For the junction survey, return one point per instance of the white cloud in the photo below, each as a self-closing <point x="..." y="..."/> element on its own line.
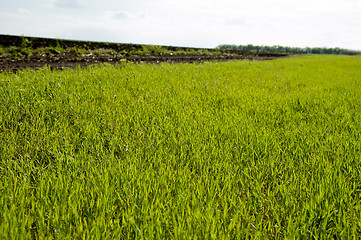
<point x="67" y="4"/>
<point x="235" y="21"/>
<point x="23" y="11"/>
<point x="118" y="15"/>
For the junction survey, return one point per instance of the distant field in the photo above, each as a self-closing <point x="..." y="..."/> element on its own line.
<point x="227" y="150"/>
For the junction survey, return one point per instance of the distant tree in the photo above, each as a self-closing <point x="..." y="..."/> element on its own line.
<point x="294" y="50"/>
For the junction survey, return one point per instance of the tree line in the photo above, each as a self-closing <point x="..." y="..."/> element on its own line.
<point x="292" y="50"/>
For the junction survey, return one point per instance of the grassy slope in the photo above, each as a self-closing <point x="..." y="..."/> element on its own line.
<point x="215" y="150"/>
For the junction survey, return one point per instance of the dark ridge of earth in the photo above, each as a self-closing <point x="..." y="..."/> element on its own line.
<point x="69" y="60"/>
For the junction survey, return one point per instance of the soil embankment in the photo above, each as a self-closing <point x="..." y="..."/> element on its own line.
<point x="23" y="52"/>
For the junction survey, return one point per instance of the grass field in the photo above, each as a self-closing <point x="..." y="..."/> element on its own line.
<point x="188" y="151"/>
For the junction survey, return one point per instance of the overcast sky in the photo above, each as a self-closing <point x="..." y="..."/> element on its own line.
<point x="192" y="23"/>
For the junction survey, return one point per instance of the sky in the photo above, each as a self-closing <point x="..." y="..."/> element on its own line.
<point x="189" y="23"/>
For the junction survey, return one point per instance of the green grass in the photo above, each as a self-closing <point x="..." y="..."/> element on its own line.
<point x="230" y="150"/>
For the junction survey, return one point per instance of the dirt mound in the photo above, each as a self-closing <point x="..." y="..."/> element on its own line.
<point x="24" y="53"/>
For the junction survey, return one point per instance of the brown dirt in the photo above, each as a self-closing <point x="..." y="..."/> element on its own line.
<point x="65" y="60"/>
